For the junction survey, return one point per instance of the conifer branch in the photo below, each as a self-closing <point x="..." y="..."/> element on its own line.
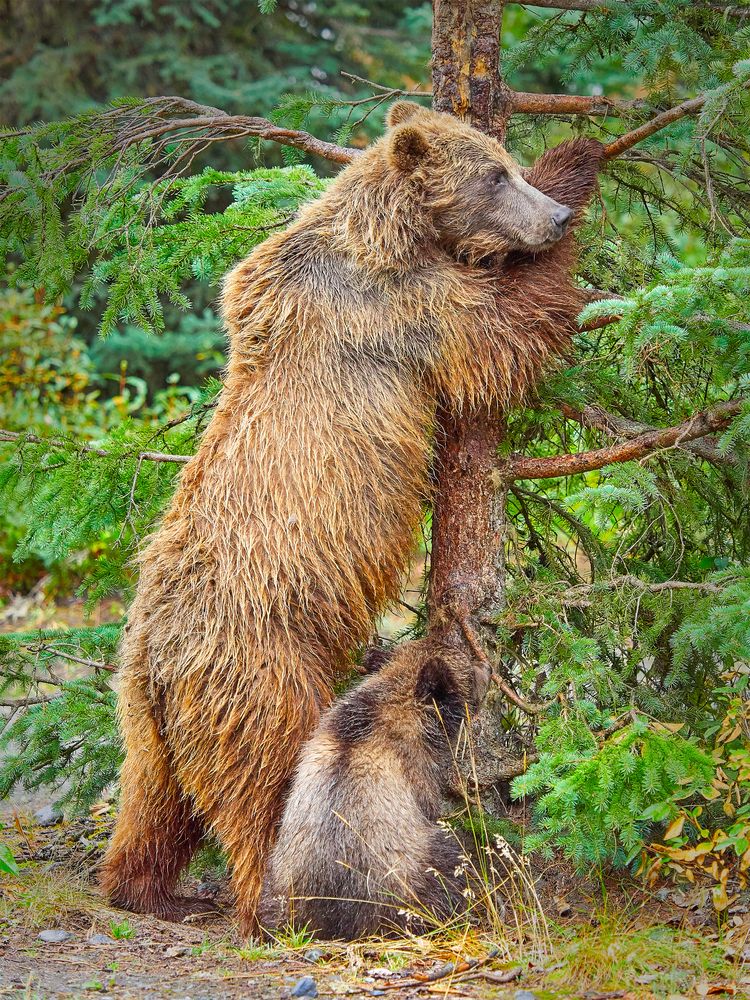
<point x="142" y="456"/>
<point x="180" y="120"/>
<point x="661" y="121"/>
<point x="38" y="699"/>
<point x="176" y="121"/>
<point x="698" y="426"/>
<point x="94" y="664"/>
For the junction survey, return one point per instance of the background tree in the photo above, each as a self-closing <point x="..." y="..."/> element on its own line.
<point x="603" y="529"/>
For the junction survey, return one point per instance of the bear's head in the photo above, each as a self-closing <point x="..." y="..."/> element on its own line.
<point x="475" y="191"/>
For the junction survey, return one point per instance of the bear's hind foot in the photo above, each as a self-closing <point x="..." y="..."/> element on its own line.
<point x="180" y="909"/>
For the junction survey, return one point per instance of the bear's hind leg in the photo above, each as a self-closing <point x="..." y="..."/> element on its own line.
<point x="157" y="830"/>
<point x="244" y="814"/>
<point x="249" y="762"/>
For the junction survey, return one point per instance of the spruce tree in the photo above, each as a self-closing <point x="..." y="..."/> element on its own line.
<point x="620" y="589"/>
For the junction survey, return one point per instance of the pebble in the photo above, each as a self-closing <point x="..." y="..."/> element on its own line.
<point x="55" y="935"/>
<point x="313" y="954"/>
<point x="304" y="987"/>
<point x="47" y="816"/>
<point x="176" y="950"/>
<point x="101" y="939"/>
<point x="525" y="995"/>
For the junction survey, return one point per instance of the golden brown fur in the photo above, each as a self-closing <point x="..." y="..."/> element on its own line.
<point x="358" y="849"/>
<point x="292" y="525"/>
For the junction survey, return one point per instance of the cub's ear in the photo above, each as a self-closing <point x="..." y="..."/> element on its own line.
<point x="376" y="657"/>
<point x="409" y="144"/>
<point x="436" y="682"/>
<point x="400" y="112"/>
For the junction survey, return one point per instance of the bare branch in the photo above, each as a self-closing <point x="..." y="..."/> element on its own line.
<point x="95" y="664"/>
<point x="580" y="597"/>
<point x="475" y="645"/>
<point x="599" y="418"/>
<point x="164" y="120"/>
<point x="142" y="456"/>
<point x="39" y="699"/>
<point x="733" y="10"/>
<point x="524" y="103"/>
<point x="661" y="121"/>
<point x="698" y="426"/>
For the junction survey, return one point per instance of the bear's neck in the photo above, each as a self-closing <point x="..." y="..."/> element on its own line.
<point x="375" y="215"/>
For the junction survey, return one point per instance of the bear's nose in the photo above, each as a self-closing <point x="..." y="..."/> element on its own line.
<point x="561" y="217"/>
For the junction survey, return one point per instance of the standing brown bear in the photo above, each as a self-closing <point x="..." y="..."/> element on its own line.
<point x="291" y="526"/>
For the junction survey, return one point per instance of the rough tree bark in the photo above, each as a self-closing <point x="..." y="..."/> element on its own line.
<point x="467" y="568"/>
<point x="466" y="571"/>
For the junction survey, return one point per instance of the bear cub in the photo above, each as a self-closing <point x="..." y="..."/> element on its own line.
<point x="359" y="850"/>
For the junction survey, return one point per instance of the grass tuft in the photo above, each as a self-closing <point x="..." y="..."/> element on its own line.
<point x="40" y="898"/>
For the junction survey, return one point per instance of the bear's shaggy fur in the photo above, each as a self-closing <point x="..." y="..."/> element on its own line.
<point x="291" y="526"/>
<point x="359" y="850"/>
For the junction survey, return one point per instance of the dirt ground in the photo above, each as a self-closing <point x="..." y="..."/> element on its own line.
<point x="566" y="936"/>
<point x="601" y="940"/>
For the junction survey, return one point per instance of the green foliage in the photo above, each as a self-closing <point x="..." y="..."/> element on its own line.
<point x="122" y="931"/>
<point x="8" y="864"/>
<point x="627" y="588"/>
<point x="69" y="741"/>
<point x="224" y="53"/>
<point x="596" y="797"/>
<point x="141" y="241"/>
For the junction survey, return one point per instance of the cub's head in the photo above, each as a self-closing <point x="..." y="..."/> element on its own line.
<point x="420" y="692"/>
<point x="479" y="202"/>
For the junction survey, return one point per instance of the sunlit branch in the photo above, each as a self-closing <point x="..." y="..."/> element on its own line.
<point x="622" y="427"/>
<point x="698" y="426"/>
<point x="733" y="10"/>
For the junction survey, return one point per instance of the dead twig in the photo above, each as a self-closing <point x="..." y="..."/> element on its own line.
<point x="475" y="645"/>
<point x="454" y="970"/>
<point x="15" y="437"/>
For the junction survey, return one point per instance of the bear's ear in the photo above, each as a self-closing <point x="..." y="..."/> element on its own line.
<point x="409" y="145"/>
<point x="400" y="112"/>
<point x="435" y="682"/>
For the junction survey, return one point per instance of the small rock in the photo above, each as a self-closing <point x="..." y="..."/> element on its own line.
<point x="55" y="935"/>
<point x="101" y="939"/>
<point x="304" y="987"/>
<point x="47" y="816"/>
<point x="377" y="993"/>
<point x="525" y="995"/>
<point x="313" y="954"/>
<point x="380" y="973"/>
<point x="175" y="951"/>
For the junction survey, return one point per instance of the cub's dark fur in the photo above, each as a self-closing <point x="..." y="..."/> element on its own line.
<point x="359" y="847"/>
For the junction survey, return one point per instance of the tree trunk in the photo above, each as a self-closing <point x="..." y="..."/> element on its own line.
<point x="466" y="569"/>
